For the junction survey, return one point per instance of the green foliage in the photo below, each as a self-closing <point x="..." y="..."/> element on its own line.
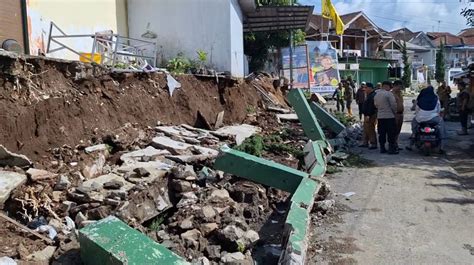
<point x="179" y="64"/>
<point x="346" y="120"/>
<point x="406" y="78"/>
<point x="440" y="64"/>
<point x="252" y="145"/>
<point x="202" y="56"/>
<point x="273" y="143"/>
<point x="250" y="109"/>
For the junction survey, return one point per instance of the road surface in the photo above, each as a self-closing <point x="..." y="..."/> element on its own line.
<point x="407" y="209"/>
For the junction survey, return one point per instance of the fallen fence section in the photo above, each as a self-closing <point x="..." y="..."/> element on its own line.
<point x="111" y="241"/>
<point x="327" y="119"/>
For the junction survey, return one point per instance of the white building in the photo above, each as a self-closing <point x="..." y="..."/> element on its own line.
<point x="214" y="26"/>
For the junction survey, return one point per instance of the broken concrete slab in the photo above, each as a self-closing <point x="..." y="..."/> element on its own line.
<point x="143" y="155"/>
<point x="99" y="181"/>
<point x="157" y="170"/>
<point x="287" y="117"/>
<point x="280" y="110"/>
<point x="188" y="159"/>
<point x="9" y="181"/>
<point x="8" y="158"/>
<point x="219" y="120"/>
<point x="175" y="147"/>
<point x="259" y="170"/>
<point x="39" y="174"/>
<point x="91" y="170"/>
<point x="206" y="151"/>
<point x="96" y="148"/>
<point x="43" y="255"/>
<point x="111" y="241"/>
<point x="240" y="132"/>
<point x="176" y="131"/>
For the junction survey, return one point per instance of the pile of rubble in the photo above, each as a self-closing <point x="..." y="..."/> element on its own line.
<point x="167" y="189"/>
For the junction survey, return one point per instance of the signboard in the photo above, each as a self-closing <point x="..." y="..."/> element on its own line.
<point x="300" y="66"/>
<point x="315" y="66"/>
<point x="323" y="67"/>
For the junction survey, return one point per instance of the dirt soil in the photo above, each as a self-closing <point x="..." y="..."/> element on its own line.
<point x="15" y="242"/>
<point x="48" y="103"/>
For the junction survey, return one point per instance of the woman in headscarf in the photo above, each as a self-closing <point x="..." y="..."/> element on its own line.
<point x="428" y="109"/>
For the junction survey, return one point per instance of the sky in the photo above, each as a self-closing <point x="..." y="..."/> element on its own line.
<point x="416" y="15"/>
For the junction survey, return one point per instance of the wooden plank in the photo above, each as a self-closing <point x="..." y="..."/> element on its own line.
<point x="40" y="236"/>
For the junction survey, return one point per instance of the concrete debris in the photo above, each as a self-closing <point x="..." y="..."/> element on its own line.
<point x="188" y="159"/>
<point x="220" y="195"/>
<point x="175" y="147"/>
<point x="277" y="109"/>
<point x="191" y="238"/>
<point x="339" y="156"/>
<point x="325" y="205"/>
<point x="235" y="258"/>
<point x="7" y="261"/>
<point x="219" y="120"/>
<point x="96" y="148"/>
<point x="9" y="181"/>
<point x="187" y="199"/>
<point x="208" y="228"/>
<point x="43" y="255"/>
<point x="8" y="158"/>
<point x="101" y="180"/>
<point x="208" y="212"/>
<point x="240" y="132"/>
<point x="62" y="184"/>
<point x="143" y="155"/>
<point x="187" y="223"/>
<point x="39" y="175"/>
<point x="92" y="170"/>
<point x="176" y="131"/>
<point x="287" y="117"/>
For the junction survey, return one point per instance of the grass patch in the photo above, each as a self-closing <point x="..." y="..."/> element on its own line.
<point x="355" y="160"/>
<point x="272" y="143"/>
<point x="345" y="119"/>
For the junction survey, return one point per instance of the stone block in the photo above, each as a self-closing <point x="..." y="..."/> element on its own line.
<point x="9" y="181"/>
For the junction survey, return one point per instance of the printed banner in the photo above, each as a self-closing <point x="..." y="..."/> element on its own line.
<point x="300" y="66"/>
<point x="323" y="67"/>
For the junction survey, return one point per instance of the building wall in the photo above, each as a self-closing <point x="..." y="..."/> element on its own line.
<point x="11" y="22"/>
<point x="185" y="26"/>
<point x="73" y="17"/>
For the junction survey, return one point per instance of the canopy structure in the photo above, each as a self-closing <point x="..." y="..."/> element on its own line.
<point x="274" y="18"/>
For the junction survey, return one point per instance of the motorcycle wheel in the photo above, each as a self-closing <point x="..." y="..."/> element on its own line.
<point x="427" y="149"/>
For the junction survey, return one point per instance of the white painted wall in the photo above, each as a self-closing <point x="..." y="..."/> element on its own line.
<point x="186" y="26"/>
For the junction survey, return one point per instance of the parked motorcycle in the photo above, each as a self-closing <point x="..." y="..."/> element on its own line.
<point x="428" y="138"/>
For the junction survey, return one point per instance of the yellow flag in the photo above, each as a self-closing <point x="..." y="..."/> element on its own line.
<point x="328" y="11"/>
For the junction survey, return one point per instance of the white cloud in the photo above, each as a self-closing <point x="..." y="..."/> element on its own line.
<point x="413" y="14"/>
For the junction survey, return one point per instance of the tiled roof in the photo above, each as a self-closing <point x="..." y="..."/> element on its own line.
<point x="469" y="32"/>
<point x="445" y="37"/>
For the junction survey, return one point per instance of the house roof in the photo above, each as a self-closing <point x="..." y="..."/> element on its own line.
<point x="469" y="32"/>
<point x="403" y="34"/>
<point x="445" y="37"/>
<point x="352" y="20"/>
<point x="469" y="40"/>
<point x="271" y="18"/>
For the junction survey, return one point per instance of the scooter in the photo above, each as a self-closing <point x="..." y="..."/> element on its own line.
<point x="428" y="138"/>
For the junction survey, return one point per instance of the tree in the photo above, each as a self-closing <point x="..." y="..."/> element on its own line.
<point x="468" y="13"/>
<point x="256" y="45"/>
<point x="440" y="64"/>
<point x="406" y="78"/>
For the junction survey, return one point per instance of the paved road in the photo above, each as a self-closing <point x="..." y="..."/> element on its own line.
<point x="408" y="209"/>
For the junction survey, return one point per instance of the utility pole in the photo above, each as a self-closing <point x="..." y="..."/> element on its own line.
<point x="439" y="22"/>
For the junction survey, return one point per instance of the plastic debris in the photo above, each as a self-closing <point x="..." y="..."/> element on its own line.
<point x="172" y="84"/>
<point x="47" y="228"/>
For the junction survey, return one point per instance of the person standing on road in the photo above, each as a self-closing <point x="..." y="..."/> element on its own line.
<point x="463" y="105"/>
<point x="397" y="92"/>
<point x="370" y="118"/>
<point x="360" y="99"/>
<point x="338" y="95"/>
<point x="348" y="96"/>
<point x="386" y="106"/>
<point x="444" y="94"/>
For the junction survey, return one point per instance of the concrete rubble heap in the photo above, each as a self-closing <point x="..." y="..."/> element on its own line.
<point x="176" y="190"/>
